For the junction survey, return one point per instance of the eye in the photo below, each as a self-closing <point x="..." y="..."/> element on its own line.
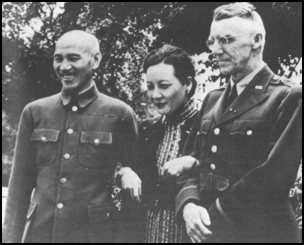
<point x="57" y="59"/>
<point x="74" y="58"/>
<point x="150" y="86"/>
<point x="229" y="40"/>
<point x="222" y="40"/>
<point x="164" y="86"/>
<point x="210" y="42"/>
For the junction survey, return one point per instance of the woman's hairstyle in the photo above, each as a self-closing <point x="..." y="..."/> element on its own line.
<point x="178" y="58"/>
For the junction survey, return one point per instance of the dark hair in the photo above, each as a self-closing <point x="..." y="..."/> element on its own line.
<point x="178" y="58"/>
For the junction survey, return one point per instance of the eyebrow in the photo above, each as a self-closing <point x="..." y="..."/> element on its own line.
<point x="72" y="54"/>
<point x="159" y="81"/>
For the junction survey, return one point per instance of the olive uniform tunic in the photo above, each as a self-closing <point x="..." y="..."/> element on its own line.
<point x="65" y="156"/>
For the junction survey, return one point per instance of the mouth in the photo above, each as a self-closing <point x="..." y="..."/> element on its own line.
<point x="160" y="105"/>
<point x="67" y="78"/>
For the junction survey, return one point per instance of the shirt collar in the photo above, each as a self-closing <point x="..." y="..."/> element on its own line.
<point x="82" y="99"/>
<point x="242" y="84"/>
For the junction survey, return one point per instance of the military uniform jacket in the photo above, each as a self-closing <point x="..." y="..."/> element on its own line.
<point x="249" y="155"/>
<point x="67" y="153"/>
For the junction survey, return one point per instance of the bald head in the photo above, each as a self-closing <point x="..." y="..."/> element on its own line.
<point x="84" y="40"/>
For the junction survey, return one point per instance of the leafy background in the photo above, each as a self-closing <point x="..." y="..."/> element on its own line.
<point x="127" y="32"/>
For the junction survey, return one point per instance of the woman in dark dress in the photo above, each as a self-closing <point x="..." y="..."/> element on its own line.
<point x="170" y="82"/>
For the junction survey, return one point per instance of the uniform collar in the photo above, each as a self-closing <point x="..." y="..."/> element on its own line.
<point x="243" y="83"/>
<point x="82" y="99"/>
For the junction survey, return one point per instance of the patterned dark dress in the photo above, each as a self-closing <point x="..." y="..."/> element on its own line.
<point x="164" y="140"/>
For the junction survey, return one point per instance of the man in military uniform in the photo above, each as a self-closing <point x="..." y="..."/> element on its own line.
<point x="67" y="148"/>
<point x="248" y="142"/>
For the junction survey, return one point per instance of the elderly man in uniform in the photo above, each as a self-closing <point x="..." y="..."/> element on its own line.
<point x="247" y="144"/>
<point x="68" y="146"/>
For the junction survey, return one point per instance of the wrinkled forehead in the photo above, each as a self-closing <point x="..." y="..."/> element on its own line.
<point x="234" y="26"/>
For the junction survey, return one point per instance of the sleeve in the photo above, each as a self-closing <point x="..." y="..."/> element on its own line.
<point x="22" y="181"/>
<point x="126" y="155"/>
<point x="277" y="173"/>
<point x="188" y="184"/>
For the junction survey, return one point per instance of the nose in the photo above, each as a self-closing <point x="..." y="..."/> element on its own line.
<point x="65" y="66"/>
<point x="155" y="94"/>
<point x="216" y="48"/>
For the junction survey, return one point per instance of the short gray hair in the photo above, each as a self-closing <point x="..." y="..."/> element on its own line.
<point x="243" y="10"/>
<point x="87" y="38"/>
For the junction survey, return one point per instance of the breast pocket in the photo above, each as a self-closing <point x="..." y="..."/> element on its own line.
<point x="250" y="137"/>
<point x="96" y="149"/>
<point x="46" y="144"/>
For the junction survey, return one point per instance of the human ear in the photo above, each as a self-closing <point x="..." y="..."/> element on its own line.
<point x="96" y="59"/>
<point x="257" y="40"/>
<point x="189" y="84"/>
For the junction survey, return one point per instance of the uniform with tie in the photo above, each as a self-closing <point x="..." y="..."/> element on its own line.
<point x="248" y="142"/>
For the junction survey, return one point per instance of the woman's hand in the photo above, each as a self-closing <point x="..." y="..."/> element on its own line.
<point x="130" y="182"/>
<point x="178" y="166"/>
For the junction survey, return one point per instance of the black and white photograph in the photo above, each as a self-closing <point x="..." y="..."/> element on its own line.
<point x="151" y="122"/>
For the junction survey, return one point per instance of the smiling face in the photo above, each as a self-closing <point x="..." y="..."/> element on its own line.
<point x="165" y="90"/>
<point x="74" y="63"/>
<point x="231" y="41"/>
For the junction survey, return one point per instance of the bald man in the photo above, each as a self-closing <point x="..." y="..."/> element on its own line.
<point x="67" y="150"/>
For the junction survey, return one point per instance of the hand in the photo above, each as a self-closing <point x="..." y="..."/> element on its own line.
<point x="178" y="166"/>
<point x="131" y="182"/>
<point x="197" y="219"/>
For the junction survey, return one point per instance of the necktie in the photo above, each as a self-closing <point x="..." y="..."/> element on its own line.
<point x="231" y="96"/>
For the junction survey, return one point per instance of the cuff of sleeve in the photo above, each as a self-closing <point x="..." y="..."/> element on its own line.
<point x="187" y="194"/>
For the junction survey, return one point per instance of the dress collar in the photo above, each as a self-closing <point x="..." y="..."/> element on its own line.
<point x="186" y="111"/>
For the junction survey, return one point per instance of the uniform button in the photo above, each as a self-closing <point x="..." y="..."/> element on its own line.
<point x="212" y="166"/>
<point x="60" y="205"/>
<point x="43" y="138"/>
<point x="214" y="148"/>
<point x="217" y="131"/>
<point x="108" y="214"/>
<point x="230" y="109"/>
<point x="70" y="131"/>
<point x="96" y="141"/>
<point x="63" y="180"/>
<point x="249" y="132"/>
<point x="66" y="156"/>
<point x="74" y="108"/>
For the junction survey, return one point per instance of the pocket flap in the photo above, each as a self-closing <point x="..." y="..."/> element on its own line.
<point x="96" y="137"/>
<point x="249" y="127"/>
<point x="45" y="135"/>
